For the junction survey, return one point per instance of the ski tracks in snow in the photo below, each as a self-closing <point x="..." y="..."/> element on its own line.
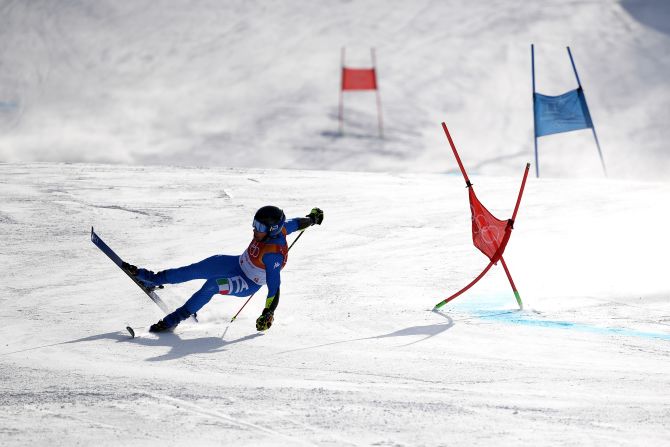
<point x="199" y="410"/>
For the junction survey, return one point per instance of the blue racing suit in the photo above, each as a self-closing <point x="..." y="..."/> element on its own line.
<point x="242" y="275"/>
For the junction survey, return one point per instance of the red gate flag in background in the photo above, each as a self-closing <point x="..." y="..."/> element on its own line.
<point x="359" y="79"/>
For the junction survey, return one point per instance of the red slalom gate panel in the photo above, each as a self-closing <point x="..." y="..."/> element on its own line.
<point x="359" y="79"/>
<point x="354" y="79"/>
<point x="488" y="232"/>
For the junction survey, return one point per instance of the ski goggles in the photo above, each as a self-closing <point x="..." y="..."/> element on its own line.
<point x="260" y="227"/>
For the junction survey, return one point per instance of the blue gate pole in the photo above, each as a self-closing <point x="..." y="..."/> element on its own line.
<point x="574" y="68"/>
<point x="593" y="126"/>
<point x="532" y="69"/>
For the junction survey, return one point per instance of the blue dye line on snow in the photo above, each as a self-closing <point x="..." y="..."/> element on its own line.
<point x="528" y="318"/>
<point x="523" y="318"/>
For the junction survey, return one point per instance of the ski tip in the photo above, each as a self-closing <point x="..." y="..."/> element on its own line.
<point x="130" y="331"/>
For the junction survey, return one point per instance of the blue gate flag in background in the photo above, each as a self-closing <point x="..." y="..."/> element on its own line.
<point x="563" y="113"/>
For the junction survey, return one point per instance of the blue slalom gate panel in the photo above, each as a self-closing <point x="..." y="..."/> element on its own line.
<point x="563" y="113"/>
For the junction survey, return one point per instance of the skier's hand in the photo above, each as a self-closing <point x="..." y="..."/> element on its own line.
<point x="264" y="322"/>
<point x="316" y="216"/>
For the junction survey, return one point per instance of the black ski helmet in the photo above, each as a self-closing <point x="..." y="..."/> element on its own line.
<point x="269" y="219"/>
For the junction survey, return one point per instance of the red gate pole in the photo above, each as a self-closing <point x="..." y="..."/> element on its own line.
<point x="341" y="115"/>
<point x="458" y="159"/>
<point x="379" y="99"/>
<point x="472" y="283"/>
<point x="516" y="292"/>
<point x="502" y="260"/>
<point x="518" y="199"/>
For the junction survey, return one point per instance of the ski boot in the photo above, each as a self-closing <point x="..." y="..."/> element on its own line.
<point x="171" y="321"/>
<point x="141" y="275"/>
<point x="161" y="326"/>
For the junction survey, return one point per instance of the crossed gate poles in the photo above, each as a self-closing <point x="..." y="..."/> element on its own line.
<point x="486" y="230"/>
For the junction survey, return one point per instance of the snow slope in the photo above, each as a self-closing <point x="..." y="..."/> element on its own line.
<point x="255" y="84"/>
<point x="355" y="356"/>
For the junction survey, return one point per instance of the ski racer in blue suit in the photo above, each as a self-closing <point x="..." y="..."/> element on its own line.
<point x="242" y="275"/>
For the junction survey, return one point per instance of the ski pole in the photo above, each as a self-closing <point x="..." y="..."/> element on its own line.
<point x="252" y="295"/>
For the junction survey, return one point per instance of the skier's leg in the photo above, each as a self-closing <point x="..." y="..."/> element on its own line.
<point x="229" y="280"/>
<point x="235" y="285"/>
<point x="194" y="304"/>
<point x="218" y="265"/>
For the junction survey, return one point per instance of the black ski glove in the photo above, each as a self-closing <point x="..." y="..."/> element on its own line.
<point x="264" y="322"/>
<point x="316" y="216"/>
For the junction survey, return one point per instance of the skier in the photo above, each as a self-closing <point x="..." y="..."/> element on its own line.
<point x="241" y="275"/>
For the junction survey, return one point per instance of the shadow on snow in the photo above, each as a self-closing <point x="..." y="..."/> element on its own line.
<point x="179" y="347"/>
<point x="429" y="331"/>
<point x="183" y="347"/>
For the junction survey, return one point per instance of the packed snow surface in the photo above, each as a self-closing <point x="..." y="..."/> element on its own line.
<point x="355" y="356"/>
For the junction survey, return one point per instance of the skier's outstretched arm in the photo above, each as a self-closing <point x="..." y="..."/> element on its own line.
<point x="315" y="217"/>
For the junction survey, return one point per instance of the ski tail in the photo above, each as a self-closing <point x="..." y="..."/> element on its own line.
<point x="111" y="254"/>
